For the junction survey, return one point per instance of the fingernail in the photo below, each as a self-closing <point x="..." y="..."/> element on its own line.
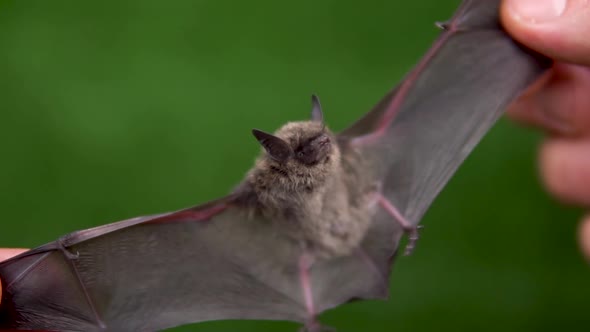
<point x="538" y="11"/>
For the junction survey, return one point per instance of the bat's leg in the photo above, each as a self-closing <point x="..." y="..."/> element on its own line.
<point x="409" y="229"/>
<point x="311" y="324"/>
<point x="305" y="262"/>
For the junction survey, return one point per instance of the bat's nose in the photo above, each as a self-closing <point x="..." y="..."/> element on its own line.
<point x="323" y="140"/>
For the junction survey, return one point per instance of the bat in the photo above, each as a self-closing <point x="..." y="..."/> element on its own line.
<point x="314" y="224"/>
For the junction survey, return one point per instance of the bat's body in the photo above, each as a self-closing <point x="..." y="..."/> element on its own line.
<point x="309" y="197"/>
<point x="316" y="222"/>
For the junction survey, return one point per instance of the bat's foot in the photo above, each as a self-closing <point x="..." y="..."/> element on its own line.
<point x="413" y="236"/>
<point x="311" y="325"/>
<point x="314" y="326"/>
<point x="409" y="229"/>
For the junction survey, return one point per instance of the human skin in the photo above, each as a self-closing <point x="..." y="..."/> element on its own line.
<point x="559" y="103"/>
<point x="6" y="254"/>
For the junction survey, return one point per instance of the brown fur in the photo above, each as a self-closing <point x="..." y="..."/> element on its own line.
<point x="321" y="206"/>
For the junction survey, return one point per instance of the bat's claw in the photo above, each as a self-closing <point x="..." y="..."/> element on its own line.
<point x="443" y="25"/>
<point x="69" y="255"/>
<point x="413" y="236"/>
<point x="314" y="326"/>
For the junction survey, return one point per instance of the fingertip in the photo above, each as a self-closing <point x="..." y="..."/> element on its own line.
<point x="520" y="25"/>
<point x="555" y="168"/>
<point x="512" y="21"/>
<point x="565" y="169"/>
<point x="6" y="254"/>
<point x="10" y="252"/>
<point x="584" y="237"/>
<point x="556" y="28"/>
<point x="529" y="12"/>
<point x="550" y="166"/>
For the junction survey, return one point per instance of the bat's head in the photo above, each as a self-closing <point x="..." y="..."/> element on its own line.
<point x="304" y="148"/>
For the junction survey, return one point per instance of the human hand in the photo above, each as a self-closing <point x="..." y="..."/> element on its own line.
<point x="4" y="255"/>
<point x="559" y="102"/>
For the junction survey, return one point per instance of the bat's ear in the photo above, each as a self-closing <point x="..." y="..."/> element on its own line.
<point x="276" y="148"/>
<point x="316" y="109"/>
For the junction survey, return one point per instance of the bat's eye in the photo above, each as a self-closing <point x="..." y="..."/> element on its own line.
<point x="300" y="154"/>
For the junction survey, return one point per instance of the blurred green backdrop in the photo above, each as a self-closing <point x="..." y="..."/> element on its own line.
<point x="113" y="109"/>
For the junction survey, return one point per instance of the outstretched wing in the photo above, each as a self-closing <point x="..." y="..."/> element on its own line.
<point x="149" y="273"/>
<point x="421" y="132"/>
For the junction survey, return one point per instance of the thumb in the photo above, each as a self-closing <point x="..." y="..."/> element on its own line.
<point x="556" y="28"/>
<point x="6" y="254"/>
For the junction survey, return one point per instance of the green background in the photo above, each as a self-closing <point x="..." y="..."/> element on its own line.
<point x="113" y="109"/>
